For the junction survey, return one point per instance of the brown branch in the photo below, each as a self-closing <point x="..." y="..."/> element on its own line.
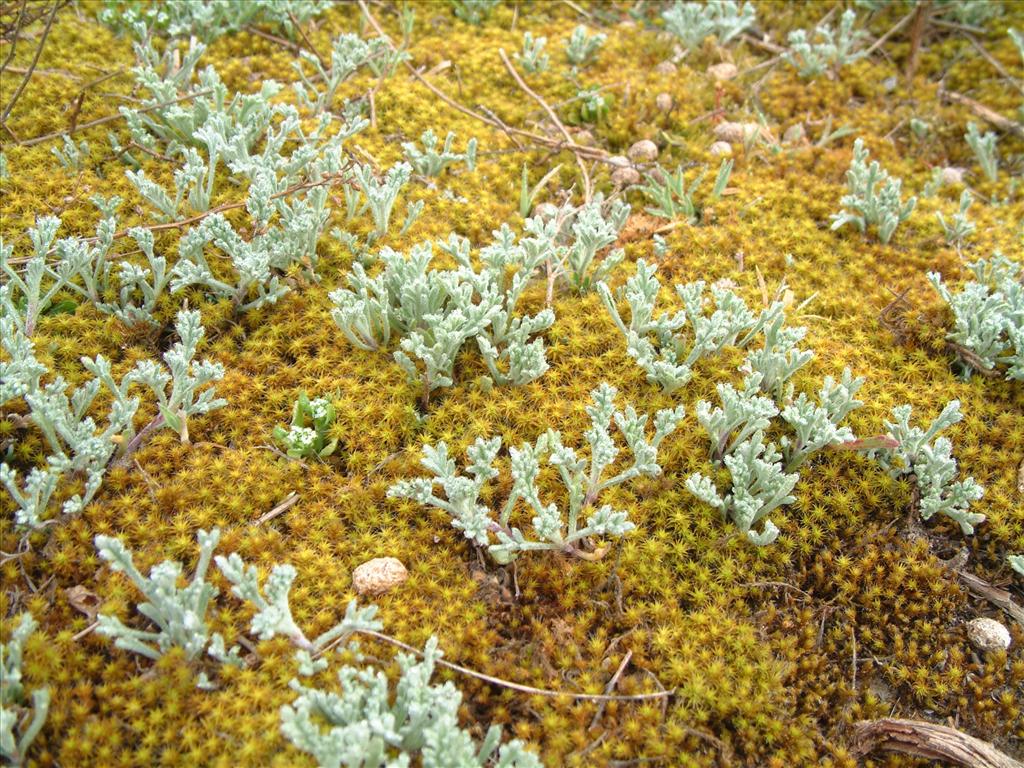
<point x="988" y="115"/>
<point x="587" y="188"/>
<point x="998" y="67"/>
<point x="35" y="59"/>
<point x="110" y="119"/>
<point x="528" y="689"/>
<point x="14" y="41"/>
<point x="892" y="31"/>
<point x="928" y="740"/>
<point x="593" y="153"/>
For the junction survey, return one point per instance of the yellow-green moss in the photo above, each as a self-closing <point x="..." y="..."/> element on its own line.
<point x="764" y="672"/>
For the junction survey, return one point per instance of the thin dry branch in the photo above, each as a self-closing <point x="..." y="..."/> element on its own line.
<point x="985" y="113"/>
<point x="35" y="59"/>
<point x="592" y="153"/>
<point x="928" y="740"/>
<point x="528" y="689"/>
<point x="110" y="119"/>
<point x="587" y="187"/>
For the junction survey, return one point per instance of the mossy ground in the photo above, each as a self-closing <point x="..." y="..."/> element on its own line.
<point x="773" y="652"/>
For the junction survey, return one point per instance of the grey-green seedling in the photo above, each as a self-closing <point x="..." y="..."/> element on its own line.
<point x="77" y="448"/>
<point x="382" y="193"/>
<point x="984" y="149"/>
<point x="581" y="48"/>
<point x="873" y="198"/>
<point x="185" y="376"/>
<point x="435" y="312"/>
<point x="474" y="12"/>
<point x="73" y="157"/>
<point x="25" y="298"/>
<point x="759" y="486"/>
<point x="830" y="51"/>
<point x="930" y="466"/>
<point x="274" y="614"/>
<point x="1016" y="561"/>
<point x="592" y="106"/>
<point x="20" y="722"/>
<point x="673" y="198"/>
<point x="960" y="227"/>
<point x="370" y="726"/>
<point x="988" y="313"/>
<point x="657" y="344"/>
<point x="348" y="53"/>
<point x="693" y="22"/>
<point x="555" y="530"/>
<point x="178" y="612"/>
<point x="308" y="436"/>
<point x="431" y="162"/>
<point x="533" y="59"/>
<point x="592" y="229"/>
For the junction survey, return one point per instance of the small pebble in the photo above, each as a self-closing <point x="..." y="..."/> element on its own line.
<point x="736" y="133"/>
<point x="663" y="101"/>
<point x="723" y="71"/>
<point x="643" y="151"/>
<point x="546" y="210"/>
<point x="584" y="138"/>
<point x="377" y="576"/>
<point x="794" y="134"/>
<point x="666" y="68"/>
<point x="625" y="177"/>
<point x="721" y="149"/>
<point x="988" y="635"/>
<point x="618" y="161"/>
<point x="952" y="175"/>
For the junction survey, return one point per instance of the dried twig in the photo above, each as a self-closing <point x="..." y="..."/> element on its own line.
<point x="110" y="119"/>
<point x="609" y="688"/>
<point x="289" y="501"/>
<point x="35" y="59"/>
<point x="587" y="188"/>
<point x="985" y="113"/>
<point x="928" y="740"/>
<point x="529" y="689"/>
<point x="892" y="31"/>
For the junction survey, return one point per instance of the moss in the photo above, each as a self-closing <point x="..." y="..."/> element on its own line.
<point x="764" y="674"/>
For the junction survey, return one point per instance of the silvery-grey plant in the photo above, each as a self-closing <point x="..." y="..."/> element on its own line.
<point x="984" y="149"/>
<point x="185" y="376"/>
<point x="179" y="613"/>
<point x="435" y="312"/>
<point x="555" y="529"/>
<point x="960" y="227"/>
<point x="532" y="59"/>
<point x="431" y="162"/>
<point x="77" y="447"/>
<point x="927" y="461"/>
<point x="988" y="315"/>
<point x="759" y="485"/>
<point x="348" y="53"/>
<point x="656" y="342"/>
<point x="693" y="22"/>
<point x="370" y="726"/>
<point x="581" y="48"/>
<point x="382" y="193"/>
<point x="873" y="197"/>
<point x="73" y="157"/>
<point x="831" y="51"/>
<point x="274" y="614"/>
<point x="20" y="723"/>
<point x="26" y="297"/>
<point x="586" y="231"/>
